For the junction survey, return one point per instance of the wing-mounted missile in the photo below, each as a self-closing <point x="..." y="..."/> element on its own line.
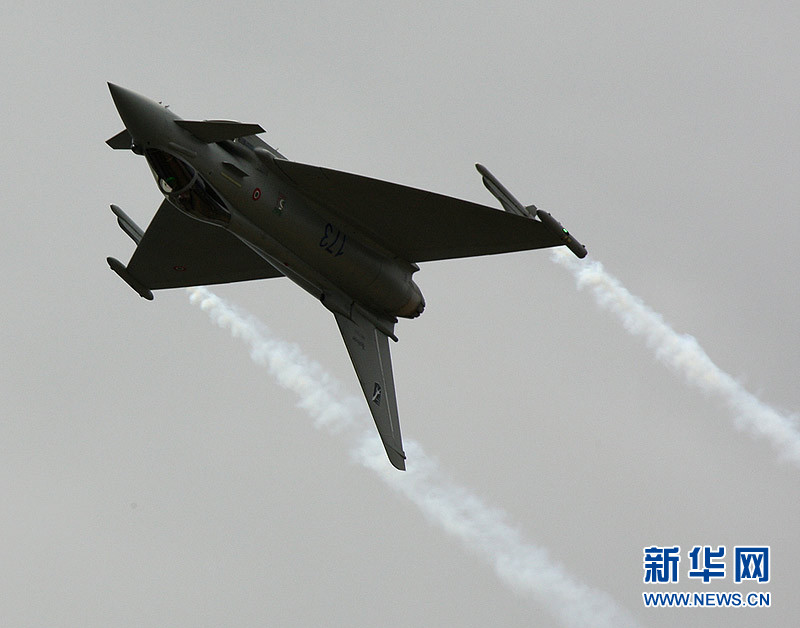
<point x="120" y="268"/>
<point x="127" y="225"/>
<point x="136" y="233"/>
<point x="498" y="190"/>
<point x="513" y="206"/>
<point x="556" y="227"/>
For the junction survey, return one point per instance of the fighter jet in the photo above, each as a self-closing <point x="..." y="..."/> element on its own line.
<point x="235" y="209"/>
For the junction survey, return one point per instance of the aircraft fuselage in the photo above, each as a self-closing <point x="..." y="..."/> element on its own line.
<point x="235" y="209"/>
<point x="229" y="184"/>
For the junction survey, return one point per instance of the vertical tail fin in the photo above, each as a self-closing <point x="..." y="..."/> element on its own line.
<point x="369" y="351"/>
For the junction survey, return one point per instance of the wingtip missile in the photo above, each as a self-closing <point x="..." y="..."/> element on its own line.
<point x="556" y="227"/>
<point x="120" y="268"/>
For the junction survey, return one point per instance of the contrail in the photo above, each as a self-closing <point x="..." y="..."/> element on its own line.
<point x="683" y="354"/>
<point x="483" y="530"/>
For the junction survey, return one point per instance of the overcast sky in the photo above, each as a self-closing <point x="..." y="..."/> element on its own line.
<point x="153" y="475"/>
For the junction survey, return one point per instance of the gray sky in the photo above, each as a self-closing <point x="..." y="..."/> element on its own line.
<point x="153" y="475"/>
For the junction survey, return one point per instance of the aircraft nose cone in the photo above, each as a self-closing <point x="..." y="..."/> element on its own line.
<point x="139" y="114"/>
<point x="125" y="100"/>
<point x="116" y="90"/>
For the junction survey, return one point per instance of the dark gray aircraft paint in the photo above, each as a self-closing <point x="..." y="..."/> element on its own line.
<point x="235" y="209"/>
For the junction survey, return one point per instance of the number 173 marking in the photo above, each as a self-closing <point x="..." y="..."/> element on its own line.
<point x="333" y="240"/>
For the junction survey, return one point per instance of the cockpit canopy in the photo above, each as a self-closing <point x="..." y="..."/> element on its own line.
<point x="186" y="189"/>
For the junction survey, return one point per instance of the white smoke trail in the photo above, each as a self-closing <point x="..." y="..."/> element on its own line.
<point x="685" y="356"/>
<point x="483" y="530"/>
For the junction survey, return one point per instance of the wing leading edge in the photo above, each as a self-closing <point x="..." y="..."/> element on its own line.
<point x="369" y="351"/>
